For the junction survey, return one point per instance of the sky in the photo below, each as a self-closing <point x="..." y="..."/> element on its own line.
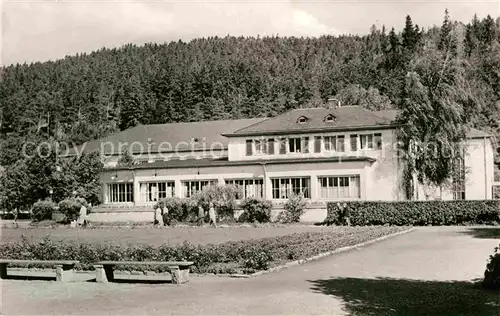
<point x="40" y="30"/>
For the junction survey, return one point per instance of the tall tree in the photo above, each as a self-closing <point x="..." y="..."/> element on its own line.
<point x="132" y="108"/>
<point x="435" y="114"/>
<point x="445" y="35"/>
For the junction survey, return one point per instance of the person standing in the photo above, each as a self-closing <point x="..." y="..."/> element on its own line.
<point x="201" y="215"/>
<point x="166" y="216"/>
<point x="346" y="213"/>
<point x="155" y="213"/>
<point x="212" y="215"/>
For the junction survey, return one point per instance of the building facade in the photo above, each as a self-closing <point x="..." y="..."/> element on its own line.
<point x="327" y="154"/>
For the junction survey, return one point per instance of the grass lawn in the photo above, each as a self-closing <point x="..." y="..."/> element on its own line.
<point x="157" y="236"/>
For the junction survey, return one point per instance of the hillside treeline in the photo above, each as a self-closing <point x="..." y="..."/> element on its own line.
<point x="90" y="95"/>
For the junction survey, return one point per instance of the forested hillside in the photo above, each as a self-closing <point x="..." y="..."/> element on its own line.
<point x="88" y="96"/>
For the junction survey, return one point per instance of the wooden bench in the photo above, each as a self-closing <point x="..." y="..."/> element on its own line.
<point x="64" y="268"/>
<point x="178" y="269"/>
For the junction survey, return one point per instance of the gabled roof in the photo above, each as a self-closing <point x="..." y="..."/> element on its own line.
<point x="346" y="118"/>
<point x="207" y="133"/>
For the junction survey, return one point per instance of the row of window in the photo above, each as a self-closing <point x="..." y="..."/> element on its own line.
<point x="337" y="143"/>
<point x="282" y="188"/>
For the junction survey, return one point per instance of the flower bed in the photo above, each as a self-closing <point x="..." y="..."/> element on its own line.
<point x="231" y="257"/>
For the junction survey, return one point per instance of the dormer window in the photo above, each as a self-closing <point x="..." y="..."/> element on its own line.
<point x="330" y="118"/>
<point x="302" y="120"/>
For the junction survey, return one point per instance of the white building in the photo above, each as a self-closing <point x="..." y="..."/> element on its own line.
<point x="328" y="154"/>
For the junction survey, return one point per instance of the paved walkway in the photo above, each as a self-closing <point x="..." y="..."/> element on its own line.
<point x="367" y="281"/>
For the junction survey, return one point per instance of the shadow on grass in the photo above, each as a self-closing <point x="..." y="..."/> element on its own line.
<point x="386" y="296"/>
<point x="484" y="233"/>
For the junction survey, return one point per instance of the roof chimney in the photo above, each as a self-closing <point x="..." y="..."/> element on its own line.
<point x="333" y="103"/>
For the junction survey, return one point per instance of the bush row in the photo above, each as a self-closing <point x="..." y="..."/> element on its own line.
<point x="223" y="198"/>
<point x="231" y="257"/>
<point x="415" y="213"/>
<point x="70" y="208"/>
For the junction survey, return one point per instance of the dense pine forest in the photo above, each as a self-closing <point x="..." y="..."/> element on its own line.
<point x="88" y="96"/>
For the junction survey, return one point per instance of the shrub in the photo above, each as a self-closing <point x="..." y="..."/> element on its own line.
<point x="70" y="208"/>
<point x="42" y="210"/>
<point x="256" y="210"/>
<point x="295" y="207"/>
<point x="492" y="273"/>
<point x="256" y="258"/>
<point x="222" y="196"/>
<point x="417" y="213"/>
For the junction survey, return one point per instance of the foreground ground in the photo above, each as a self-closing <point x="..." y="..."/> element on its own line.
<point x="425" y="272"/>
<point x="156" y="236"/>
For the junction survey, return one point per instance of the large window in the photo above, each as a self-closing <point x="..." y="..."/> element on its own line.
<point x="283" y="188"/>
<point x="282" y="146"/>
<point x="298" y="144"/>
<point x="154" y="191"/>
<point x="371" y="141"/>
<point x="270" y="146"/>
<point x="334" y="143"/>
<point x="121" y="192"/>
<point x="458" y="179"/>
<point x="249" y="147"/>
<point x="261" y="146"/>
<point x="189" y="188"/>
<point x="330" y="143"/>
<point x="354" y="142"/>
<point x="294" y="145"/>
<point x="247" y="188"/>
<point x="317" y="144"/>
<point x="339" y="187"/>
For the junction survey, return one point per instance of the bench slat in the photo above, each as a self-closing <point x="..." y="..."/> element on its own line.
<point x="63" y="262"/>
<point x="155" y="263"/>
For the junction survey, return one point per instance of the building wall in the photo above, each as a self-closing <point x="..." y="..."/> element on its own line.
<point x="479" y="168"/>
<point x="385" y="174"/>
<point x="312" y="170"/>
<point x="237" y="146"/>
<point x="380" y="180"/>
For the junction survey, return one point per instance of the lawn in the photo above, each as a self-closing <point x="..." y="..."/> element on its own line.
<point x="158" y="236"/>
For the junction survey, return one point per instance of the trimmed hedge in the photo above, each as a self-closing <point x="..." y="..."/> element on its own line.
<point x="231" y="257"/>
<point x="416" y="213"/>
